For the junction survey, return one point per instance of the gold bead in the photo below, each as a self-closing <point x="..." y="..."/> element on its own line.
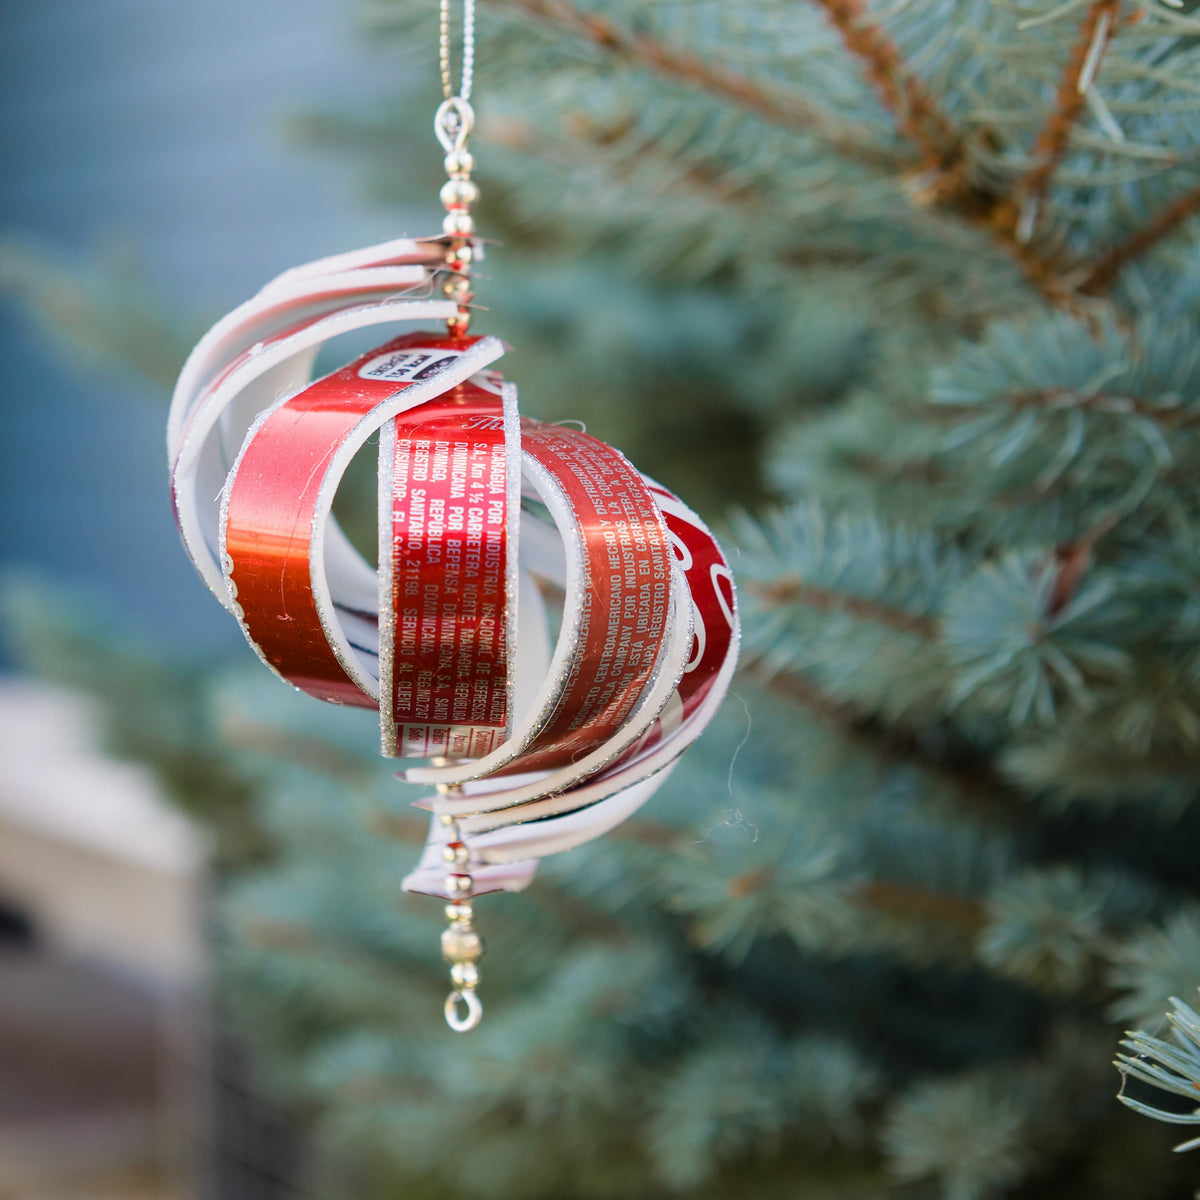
<point x="459" y="912"/>
<point x="459" y="885"/>
<point x="458" y="193"/>
<point x="458" y="290"/>
<point x="459" y="162"/>
<point x="458" y="324"/>
<point x="458" y="224"/>
<point x="465" y="975"/>
<point x="456" y="854"/>
<point x="461" y="945"/>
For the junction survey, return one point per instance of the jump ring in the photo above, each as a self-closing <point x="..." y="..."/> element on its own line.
<point x="464" y="1022"/>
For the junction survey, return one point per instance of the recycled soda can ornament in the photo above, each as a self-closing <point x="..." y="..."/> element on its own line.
<point x="493" y="530"/>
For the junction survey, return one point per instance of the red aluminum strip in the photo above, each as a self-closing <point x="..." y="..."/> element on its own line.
<point x="272" y="508"/>
<point x="714" y="614"/>
<point x="449" y="565"/>
<point x="626" y="581"/>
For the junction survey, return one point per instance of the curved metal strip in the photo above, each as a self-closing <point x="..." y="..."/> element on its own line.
<point x="276" y="505"/>
<point x="196" y="509"/>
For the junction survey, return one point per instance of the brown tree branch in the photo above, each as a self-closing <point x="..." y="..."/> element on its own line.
<point x="940" y="147"/>
<point x="1071" y="562"/>
<point x="942" y="152"/>
<point x="973" y="781"/>
<point x="411" y="828"/>
<point x="707" y="180"/>
<point x="1166" y="416"/>
<point x="791" y="589"/>
<point x="902" y="92"/>
<point x="922" y="904"/>
<point x="1050" y="145"/>
<point x="907" y="900"/>
<point x="1103" y="273"/>
<point x="926" y="472"/>
<point x="318" y="756"/>
<point x="773" y="104"/>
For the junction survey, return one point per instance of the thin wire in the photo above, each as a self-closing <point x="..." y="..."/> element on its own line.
<point x="468" y="50"/>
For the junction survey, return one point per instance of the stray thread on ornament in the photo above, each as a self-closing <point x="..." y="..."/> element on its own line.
<point x="738" y="748"/>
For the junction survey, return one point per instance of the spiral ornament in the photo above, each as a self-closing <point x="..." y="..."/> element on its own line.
<point x="547" y="629"/>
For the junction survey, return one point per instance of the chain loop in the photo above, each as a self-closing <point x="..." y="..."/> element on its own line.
<point x="452" y="123"/>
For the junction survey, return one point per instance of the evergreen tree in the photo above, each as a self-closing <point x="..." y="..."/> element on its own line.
<point x="910" y="292"/>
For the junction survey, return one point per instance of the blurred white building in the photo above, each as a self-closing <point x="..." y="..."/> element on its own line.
<point x="101" y="962"/>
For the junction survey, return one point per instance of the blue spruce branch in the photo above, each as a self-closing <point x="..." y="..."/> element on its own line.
<point x="1171" y="1066"/>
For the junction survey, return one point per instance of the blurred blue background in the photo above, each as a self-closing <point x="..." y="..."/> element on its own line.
<point x="159" y="126"/>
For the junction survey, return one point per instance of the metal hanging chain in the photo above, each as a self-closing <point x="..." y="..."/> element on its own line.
<point x="468" y="51"/>
<point x="453" y="124"/>
<point x="455" y="118"/>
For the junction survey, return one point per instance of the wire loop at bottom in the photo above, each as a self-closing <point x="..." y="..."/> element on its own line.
<point x="463" y="1022"/>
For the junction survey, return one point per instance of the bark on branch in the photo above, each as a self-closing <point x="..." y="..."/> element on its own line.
<point x="948" y="182"/>
<point x="791" y="589"/>
<point x="922" y="904"/>
<point x="773" y="104"/>
<point x="1167" y="415"/>
<point x="974" y="783"/>
<point x="1103" y="274"/>
<point x="942" y="174"/>
<point x="903" y="94"/>
<point x="1050" y="146"/>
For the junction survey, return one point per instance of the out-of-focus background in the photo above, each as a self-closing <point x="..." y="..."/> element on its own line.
<point x="903" y="299"/>
<point x="156" y="134"/>
<point x="152" y="139"/>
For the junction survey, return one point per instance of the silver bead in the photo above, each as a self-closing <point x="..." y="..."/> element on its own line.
<point x="462" y="254"/>
<point x="465" y="975"/>
<point x="458" y="224"/>
<point x="460" y="912"/>
<point x="455" y="854"/>
<point x="458" y="193"/>
<point x="459" y="162"/>
<point x="461" y="945"/>
<point x="459" y="885"/>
